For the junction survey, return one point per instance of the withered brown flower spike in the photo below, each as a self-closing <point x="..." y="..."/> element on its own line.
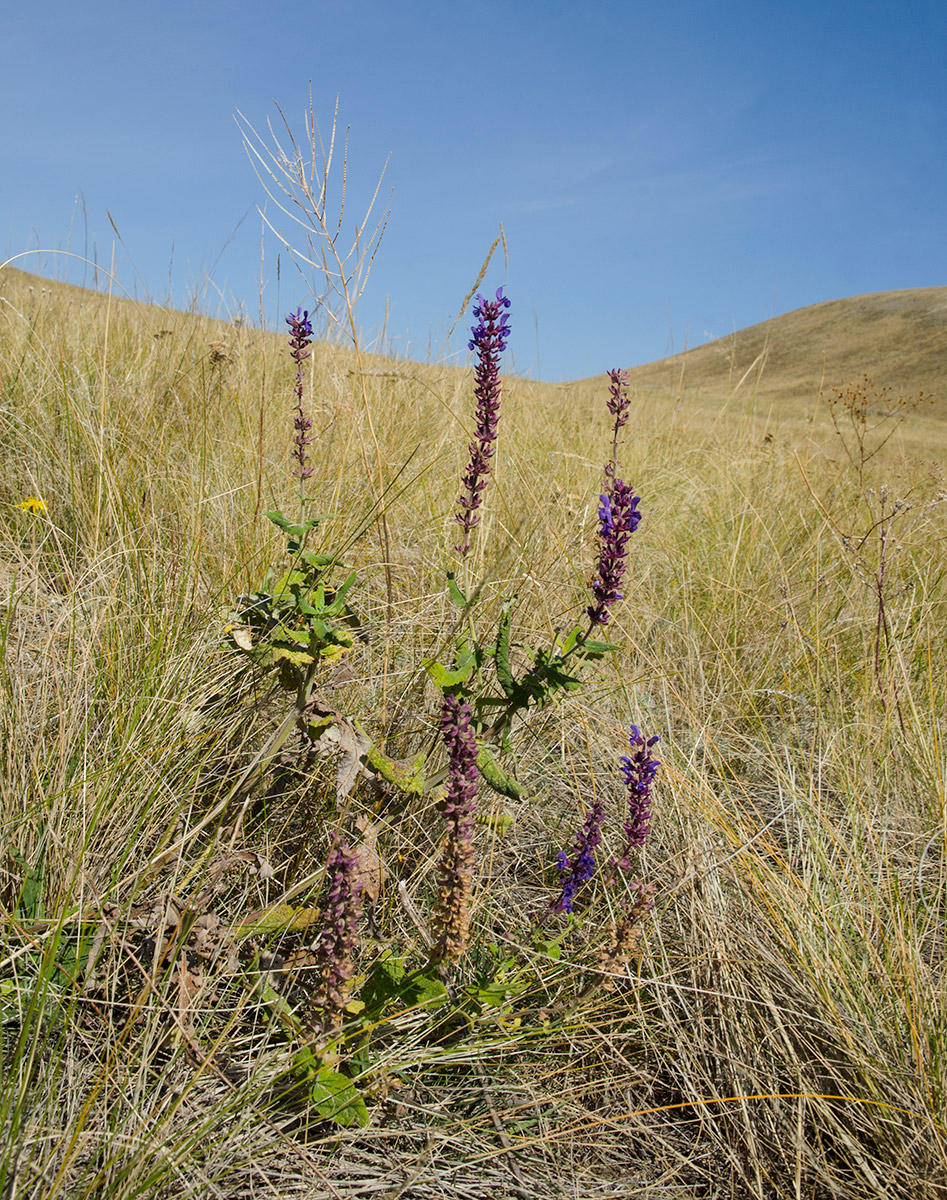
<point x="451" y="920"/>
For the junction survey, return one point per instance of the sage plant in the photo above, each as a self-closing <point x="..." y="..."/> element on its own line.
<point x="335" y="946"/>
<point x="579" y="869"/>
<point x="300" y="339"/>
<point x="489" y="338"/>
<point x="617" y="513"/>
<point x="451" y="918"/>
<point x="639" y="769"/>
<point x="618" y="519"/>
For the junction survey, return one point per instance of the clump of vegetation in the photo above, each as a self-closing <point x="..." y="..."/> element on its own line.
<point x="328" y="859"/>
<point x="298" y="624"/>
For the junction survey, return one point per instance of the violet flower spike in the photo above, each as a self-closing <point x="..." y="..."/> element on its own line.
<point x="618" y="519"/>
<point x="580" y="868"/>
<point x="335" y="947"/>
<point x="489" y="338"/>
<point x="639" y="770"/>
<point x="451" y="918"/>
<point x="299" y="341"/>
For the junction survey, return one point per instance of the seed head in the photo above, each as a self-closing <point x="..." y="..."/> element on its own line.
<point x="451" y="919"/>
<point x="335" y="946"/>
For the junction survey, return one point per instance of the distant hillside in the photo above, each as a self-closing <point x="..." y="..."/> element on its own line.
<point x="898" y="338"/>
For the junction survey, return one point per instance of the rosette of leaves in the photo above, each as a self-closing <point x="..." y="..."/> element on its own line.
<point x="297" y="619"/>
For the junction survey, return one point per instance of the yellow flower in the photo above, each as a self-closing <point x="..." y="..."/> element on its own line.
<point x="32" y="504"/>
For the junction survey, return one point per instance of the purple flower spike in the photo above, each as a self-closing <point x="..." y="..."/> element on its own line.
<point x="489" y="338"/>
<point x="300" y="333"/>
<point x="580" y="868"/>
<point x="335" y="946"/>
<point x="639" y="771"/>
<point x="299" y="341"/>
<point x="618" y="519"/>
<point x="451" y="921"/>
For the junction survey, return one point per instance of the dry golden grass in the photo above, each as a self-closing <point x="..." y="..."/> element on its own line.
<point x="782" y="1030"/>
<point x="899" y="337"/>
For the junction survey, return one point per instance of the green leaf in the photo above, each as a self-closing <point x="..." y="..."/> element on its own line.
<point x="502" y="822"/>
<point x="317" y="727"/>
<point x="571" y="640"/>
<point x="456" y="595"/>
<point x="71" y="957"/>
<point x="303" y="606"/>
<point x="319" y="629"/>
<point x="383" y="983"/>
<point x="305" y="1064"/>
<point x="338" y="600"/>
<point x="465" y="655"/>
<point x="502" y="655"/>
<point x="424" y="989"/>
<point x="445" y="678"/>
<point x="11" y="1007"/>
<point x="334" y="1097"/>
<point x="299" y="658"/>
<point x="318" y="562"/>
<point x="290" y="676"/>
<point x="496" y="777"/>
<point x="289" y="579"/>
<point x="291" y="528"/>
<point x="406" y="775"/>
<point x="595" y="650"/>
<point x="467" y="659"/>
<point x="278" y="918"/>
<point x="548" y="672"/>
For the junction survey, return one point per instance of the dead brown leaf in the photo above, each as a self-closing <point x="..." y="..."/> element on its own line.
<point x="370" y="866"/>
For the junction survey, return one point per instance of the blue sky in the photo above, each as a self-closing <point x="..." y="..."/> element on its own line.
<point x="664" y="172"/>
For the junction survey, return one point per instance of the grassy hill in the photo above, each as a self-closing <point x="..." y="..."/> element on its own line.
<point x="190" y="1004"/>
<point x="898" y="338"/>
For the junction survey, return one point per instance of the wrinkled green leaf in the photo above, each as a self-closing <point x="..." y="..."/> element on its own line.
<point x="594" y="650"/>
<point x="424" y="989"/>
<point x="334" y="1097"/>
<point x="445" y="678"/>
<point x="318" y="562"/>
<point x="406" y="775"/>
<point x="383" y="983"/>
<point x="502" y="822"/>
